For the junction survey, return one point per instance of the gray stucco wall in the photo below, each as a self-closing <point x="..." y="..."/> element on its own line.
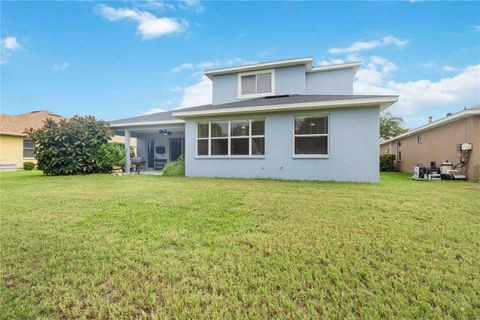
<point x="224" y="88"/>
<point x="354" y="154"/>
<point x="330" y="82"/>
<point x="288" y="80"/>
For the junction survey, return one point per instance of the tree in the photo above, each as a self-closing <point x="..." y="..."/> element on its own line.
<point x="391" y="126"/>
<point x="70" y="146"/>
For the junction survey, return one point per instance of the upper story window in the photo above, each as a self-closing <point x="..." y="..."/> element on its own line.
<point x="240" y="138"/>
<point x="256" y="84"/>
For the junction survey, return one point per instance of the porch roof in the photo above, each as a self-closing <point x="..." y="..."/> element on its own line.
<point x="270" y="104"/>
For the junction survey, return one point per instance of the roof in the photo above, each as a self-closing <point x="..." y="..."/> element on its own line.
<point x="258" y="105"/>
<point x="475" y="110"/>
<point x="307" y="61"/>
<point x="16" y="124"/>
<point x="258" y="66"/>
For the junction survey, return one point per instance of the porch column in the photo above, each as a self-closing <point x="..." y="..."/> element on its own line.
<point x="127" y="151"/>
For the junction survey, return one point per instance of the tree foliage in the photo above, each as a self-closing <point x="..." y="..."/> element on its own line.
<point x="70" y="146"/>
<point x="391" y="126"/>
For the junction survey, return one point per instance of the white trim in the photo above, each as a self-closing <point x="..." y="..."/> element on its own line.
<point x="383" y="102"/>
<point x="310" y="156"/>
<point x="255" y="95"/>
<point x="229" y="138"/>
<point x="258" y="66"/>
<point x="133" y="124"/>
<point x="448" y="119"/>
<point x="355" y="65"/>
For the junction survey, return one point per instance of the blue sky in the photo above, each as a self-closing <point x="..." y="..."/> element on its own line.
<point x="120" y="59"/>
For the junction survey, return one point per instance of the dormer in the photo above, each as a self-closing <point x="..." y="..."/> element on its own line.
<point x="281" y="77"/>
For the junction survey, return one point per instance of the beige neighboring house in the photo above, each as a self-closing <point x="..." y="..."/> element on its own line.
<point x="437" y="141"/>
<point x="15" y="149"/>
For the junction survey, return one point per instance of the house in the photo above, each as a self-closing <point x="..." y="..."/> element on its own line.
<point x="437" y="141"/>
<point x="282" y="119"/>
<point x="15" y="149"/>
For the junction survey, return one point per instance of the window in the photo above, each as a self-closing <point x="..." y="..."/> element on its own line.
<point x="256" y="84"/>
<point x="238" y="138"/>
<point x="419" y="139"/>
<point x="399" y="151"/>
<point x="311" y="136"/>
<point x="28" y="149"/>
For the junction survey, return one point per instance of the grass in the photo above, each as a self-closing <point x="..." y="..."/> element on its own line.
<point x="104" y="246"/>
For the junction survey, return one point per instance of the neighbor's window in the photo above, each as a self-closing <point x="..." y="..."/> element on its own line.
<point x="311" y="136"/>
<point x="256" y="84"/>
<point x="231" y="138"/>
<point x="28" y="149"/>
<point x="419" y="139"/>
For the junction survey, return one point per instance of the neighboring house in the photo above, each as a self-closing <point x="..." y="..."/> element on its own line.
<point x="437" y="141"/>
<point x="281" y="119"/>
<point x="15" y="149"/>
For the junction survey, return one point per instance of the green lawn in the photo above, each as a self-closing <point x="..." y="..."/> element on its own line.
<point x="103" y="246"/>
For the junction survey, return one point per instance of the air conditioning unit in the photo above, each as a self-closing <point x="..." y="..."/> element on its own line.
<point x="466" y="146"/>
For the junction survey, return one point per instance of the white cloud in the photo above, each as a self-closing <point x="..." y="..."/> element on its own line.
<point x="200" y="92"/>
<point x="61" y="66"/>
<point x="11" y="43"/>
<point x="149" y="26"/>
<point x="182" y="67"/>
<point x="368" y="45"/>
<point x="197" y="94"/>
<point x="195" y="5"/>
<point x="449" y="69"/>
<point x="153" y="110"/>
<point x="433" y="65"/>
<point x="417" y="97"/>
<point x="204" y="65"/>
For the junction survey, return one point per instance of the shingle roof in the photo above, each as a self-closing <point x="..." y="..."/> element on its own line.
<point x="257" y="102"/>
<point x="16" y="124"/>
<point x="472" y="111"/>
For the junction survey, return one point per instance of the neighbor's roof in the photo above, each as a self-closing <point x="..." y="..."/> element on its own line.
<point x="307" y="61"/>
<point x="16" y="124"/>
<point x="475" y="110"/>
<point x="258" y="105"/>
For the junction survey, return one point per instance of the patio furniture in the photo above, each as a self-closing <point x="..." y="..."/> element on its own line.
<point x="138" y="164"/>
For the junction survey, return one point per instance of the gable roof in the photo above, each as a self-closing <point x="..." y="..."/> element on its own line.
<point x="258" y="105"/>
<point x="475" y="110"/>
<point x="307" y="61"/>
<point x="16" y="124"/>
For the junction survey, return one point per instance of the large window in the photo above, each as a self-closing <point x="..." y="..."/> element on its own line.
<point x="256" y="84"/>
<point x="311" y="136"/>
<point x="28" y="149"/>
<point x="236" y="138"/>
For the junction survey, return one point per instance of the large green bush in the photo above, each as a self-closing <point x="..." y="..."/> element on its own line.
<point x="70" y="146"/>
<point x="387" y="162"/>
<point x="175" y="168"/>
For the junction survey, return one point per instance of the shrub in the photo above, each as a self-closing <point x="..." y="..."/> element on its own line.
<point x="387" y="162"/>
<point x="28" y="165"/>
<point x="111" y="155"/>
<point x="70" y="146"/>
<point x="175" y="168"/>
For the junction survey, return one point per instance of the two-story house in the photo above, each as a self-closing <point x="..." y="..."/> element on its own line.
<point x="282" y="119"/>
